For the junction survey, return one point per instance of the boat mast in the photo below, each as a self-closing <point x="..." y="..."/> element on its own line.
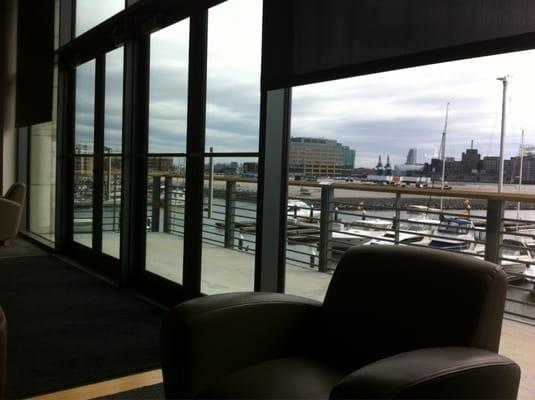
<point x="504" y="106"/>
<point x="443" y="154"/>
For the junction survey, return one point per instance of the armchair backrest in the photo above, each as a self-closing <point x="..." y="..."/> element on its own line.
<point x="17" y="193"/>
<point x="385" y="300"/>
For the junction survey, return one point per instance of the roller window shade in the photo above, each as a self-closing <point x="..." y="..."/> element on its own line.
<point x="35" y="62"/>
<point x="312" y="40"/>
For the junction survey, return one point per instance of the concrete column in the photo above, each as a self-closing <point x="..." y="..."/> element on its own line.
<point x="42" y="188"/>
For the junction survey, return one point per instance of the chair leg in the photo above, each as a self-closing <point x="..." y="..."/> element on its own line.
<point x="6" y="243"/>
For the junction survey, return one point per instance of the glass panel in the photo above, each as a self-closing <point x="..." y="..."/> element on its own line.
<point x="165" y="216"/>
<point x="233" y="86"/>
<point x="395" y="122"/>
<point x="92" y="12"/>
<point x="111" y="208"/>
<point x="112" y="179"/>
<point x="229" y="225"/>
<point x="169" y="89"/>
<point x="113" y="111"/>
<point x="83" y="200"/>
<point x="85" y="109"/>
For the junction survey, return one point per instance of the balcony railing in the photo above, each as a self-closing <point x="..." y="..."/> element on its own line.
<point x="324" y="220"/>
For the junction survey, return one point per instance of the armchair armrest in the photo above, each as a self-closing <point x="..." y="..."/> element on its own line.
<point x="206" y="338"/>
<point x="442" y="372"/>
<point x="10" y="212"/>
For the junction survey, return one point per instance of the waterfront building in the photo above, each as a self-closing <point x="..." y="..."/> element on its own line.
<point x="411" y="157"/>
<point x="470" y="162"/>
<point x="320" y="157"/>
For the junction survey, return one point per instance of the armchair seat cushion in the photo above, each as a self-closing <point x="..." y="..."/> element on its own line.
<point x="289" y="378"/>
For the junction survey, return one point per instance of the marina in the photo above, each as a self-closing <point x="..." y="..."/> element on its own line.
<point x="313" y="249"/>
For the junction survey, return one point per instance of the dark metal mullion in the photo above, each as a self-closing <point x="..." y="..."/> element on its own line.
<point x="193" y="211"/>
<point x="134" y="163"/>
<point x="64" y="159"/>
<point x="270" y="261"/>
<point x="98" y="160"/>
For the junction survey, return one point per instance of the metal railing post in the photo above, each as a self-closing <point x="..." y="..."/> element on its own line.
<point x="114" y="203"/>
<point x="397" y="206"/>
<point x="494" y="229"/>
<point x="155" y="223"/>
<point x="230" y="215"/>
<point x="326" y="227"/>
<point x="211" y="184"/>
<point x="167" y="205"/>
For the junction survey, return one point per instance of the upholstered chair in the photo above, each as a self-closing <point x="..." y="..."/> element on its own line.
<point x="396" y="322"/>
<point x="11" y="207"/>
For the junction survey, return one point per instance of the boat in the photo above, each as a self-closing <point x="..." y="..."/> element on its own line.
<point x="298" y="209"/>
<point x="358" y="232"/>
<point x="517" y="257"/>
<point x="455" y="234"/>
<point x="417" y="231"/>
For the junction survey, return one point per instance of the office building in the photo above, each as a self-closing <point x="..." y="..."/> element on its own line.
<point x="412" y="157"/>
<point x="320" y="157"/>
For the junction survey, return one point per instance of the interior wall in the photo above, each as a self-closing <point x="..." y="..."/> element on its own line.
<point x="9" y="78"/>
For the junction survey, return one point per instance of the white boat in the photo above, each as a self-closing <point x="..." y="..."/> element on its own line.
<point x="417" y="231"/>
<point x="298" y="209"/>
<point x="358" y="232"/>
<point x="456" y="234"/>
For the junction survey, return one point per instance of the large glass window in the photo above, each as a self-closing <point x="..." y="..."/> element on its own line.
<point x="84" y="139"/>
<point x="168" y="111"/>
<point x="229" y="224"/>
<point x="167" y="147"/>
<point x="389" y="129"/>
<point x="232" y="127"/>
<point x="113" y="128"/>
<point x="233" y="85"/>
<point x="92" y="12"/>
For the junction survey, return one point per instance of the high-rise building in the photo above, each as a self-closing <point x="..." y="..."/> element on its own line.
<point x="320" y="157"/>
<point x="411" y="157"/>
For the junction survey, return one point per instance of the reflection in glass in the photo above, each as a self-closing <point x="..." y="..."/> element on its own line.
<point x="165" y="216"/>
<point x="85" y="108"/>
<point x="229" y="225"/>
<point x="83" y="200"/>
<point x="233" y="86"/>
<point x="169" y="89"/>
<point x="113" y="105"/>
<point x="92" y="12"/>
<point x="111" y="207"/>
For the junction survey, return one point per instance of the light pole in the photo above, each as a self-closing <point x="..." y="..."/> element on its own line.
<point x="502" y="138"/>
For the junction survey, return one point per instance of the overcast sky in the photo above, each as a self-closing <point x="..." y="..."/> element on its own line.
<point x="385" y="113"/>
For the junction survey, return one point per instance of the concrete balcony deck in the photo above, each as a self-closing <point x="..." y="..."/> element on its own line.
<point x="227" y="270"/>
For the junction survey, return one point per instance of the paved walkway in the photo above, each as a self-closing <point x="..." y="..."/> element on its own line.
<point x="223" y="270"/>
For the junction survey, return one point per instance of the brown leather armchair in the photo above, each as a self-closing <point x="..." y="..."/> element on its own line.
<point x="11" y="206"/>
<point x="397" y="322"/>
